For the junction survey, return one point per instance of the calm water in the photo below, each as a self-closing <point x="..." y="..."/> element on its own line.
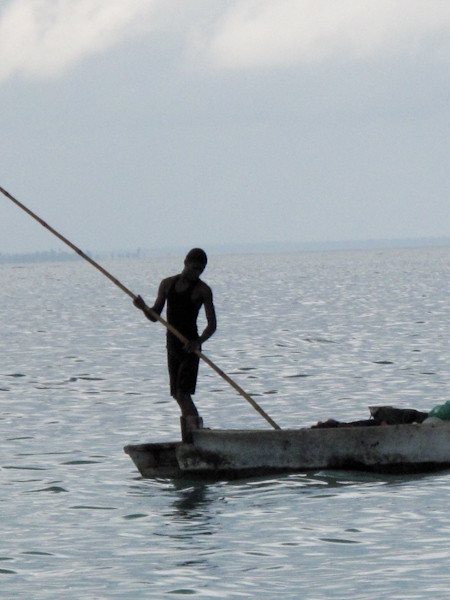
<point x="311" y="336"/>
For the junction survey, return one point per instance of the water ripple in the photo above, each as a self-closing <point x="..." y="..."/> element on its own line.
<point x="84" y="376"/>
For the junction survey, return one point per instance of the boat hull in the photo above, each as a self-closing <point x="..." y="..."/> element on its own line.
<point x="231" y="454"/>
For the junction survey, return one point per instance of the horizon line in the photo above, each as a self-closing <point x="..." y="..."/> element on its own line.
<point x="232" y="248"/>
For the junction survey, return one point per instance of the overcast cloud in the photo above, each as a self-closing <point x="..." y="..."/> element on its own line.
<point x="42" y="38"/>
<point x="160" y="122"/>
<point x="284" y="32"/>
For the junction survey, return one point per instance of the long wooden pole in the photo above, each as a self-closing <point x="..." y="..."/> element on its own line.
<point x="153" y="313"/>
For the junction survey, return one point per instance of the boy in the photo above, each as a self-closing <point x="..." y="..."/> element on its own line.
<point x="185" y="294"/>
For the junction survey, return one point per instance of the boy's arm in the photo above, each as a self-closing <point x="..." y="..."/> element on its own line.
<point x="211" y="321"/>
<point x="159" y="302"/>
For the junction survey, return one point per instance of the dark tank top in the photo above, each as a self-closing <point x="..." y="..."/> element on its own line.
<point x="182" y="312"/>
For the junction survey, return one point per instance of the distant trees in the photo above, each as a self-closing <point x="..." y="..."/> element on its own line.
<point x="60" y="256"/>
<point x="31" y="257"/>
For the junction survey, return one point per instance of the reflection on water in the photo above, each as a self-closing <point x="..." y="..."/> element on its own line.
<point x="82" y="376"/>
<point x="191" y="499"/>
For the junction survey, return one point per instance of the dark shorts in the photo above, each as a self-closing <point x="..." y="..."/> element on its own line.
<point x="183" y="368"/>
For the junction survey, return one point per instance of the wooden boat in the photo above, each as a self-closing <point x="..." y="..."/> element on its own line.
<point x="230" y="454"/>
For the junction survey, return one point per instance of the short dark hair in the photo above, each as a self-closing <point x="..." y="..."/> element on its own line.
<point x="197" y="255"/>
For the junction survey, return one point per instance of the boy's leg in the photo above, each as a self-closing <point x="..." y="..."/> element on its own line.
<point x="186" y="404"/>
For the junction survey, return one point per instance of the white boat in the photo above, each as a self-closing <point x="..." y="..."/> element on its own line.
<point x="230" y="454"/>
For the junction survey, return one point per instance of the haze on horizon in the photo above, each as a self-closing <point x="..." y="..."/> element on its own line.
<point x="159" y="124"/>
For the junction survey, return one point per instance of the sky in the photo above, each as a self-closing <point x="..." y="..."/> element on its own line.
<point x="152" y="124"/>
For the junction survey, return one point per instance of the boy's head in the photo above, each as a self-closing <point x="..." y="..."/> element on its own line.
<point x="195" y="263"/>
<point x="196" y="255"/>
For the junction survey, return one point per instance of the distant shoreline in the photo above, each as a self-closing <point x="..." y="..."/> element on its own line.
<point x="215" y="249"/>
<point x="33" y="257"/>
